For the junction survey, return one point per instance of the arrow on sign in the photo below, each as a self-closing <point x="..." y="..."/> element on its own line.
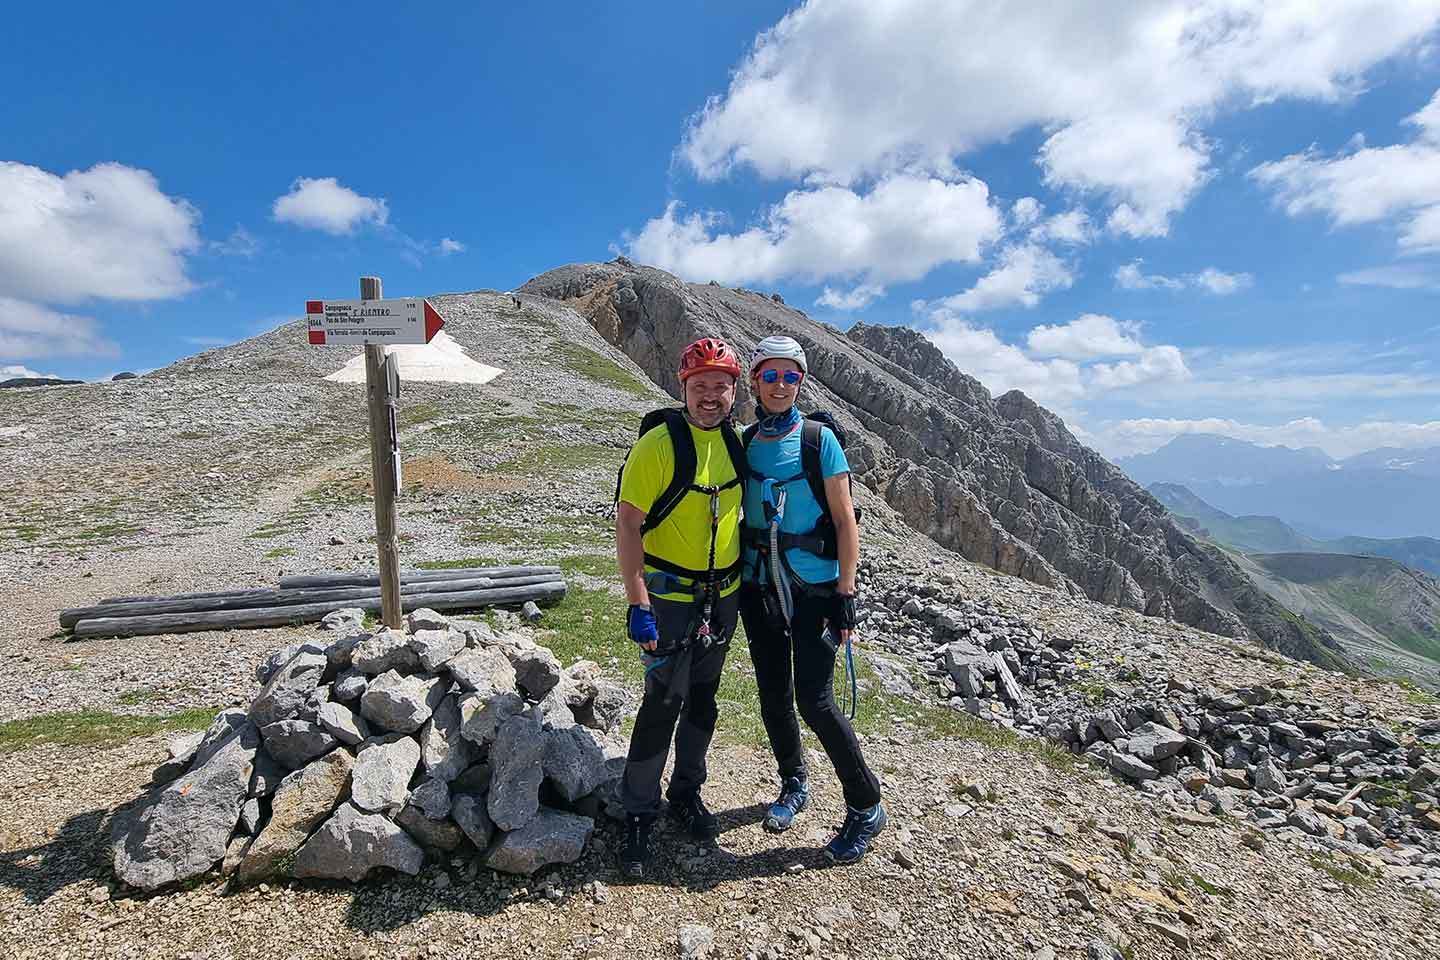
<point x="412" y="321"/>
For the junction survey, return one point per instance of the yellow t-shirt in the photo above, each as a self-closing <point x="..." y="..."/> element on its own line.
<point x="683" y="537"/>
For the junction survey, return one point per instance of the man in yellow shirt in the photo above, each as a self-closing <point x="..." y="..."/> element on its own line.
<point x="678" y="539"/>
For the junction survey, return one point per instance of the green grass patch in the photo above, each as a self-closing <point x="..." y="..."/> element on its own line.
<point x="590" y="625"/>
<point x="133" y="698"/>
<point x="279" y="552"/>
<point x="94" y="728"/>
<point x="417" y="413"/>
<point x="1340" y="873"/>
<point x="547" y="458"/>
<point x="1416" y="694"/>
<point x="600" y="565"/>
<point x="599" y="369"/>
<point x="464" y="563"/>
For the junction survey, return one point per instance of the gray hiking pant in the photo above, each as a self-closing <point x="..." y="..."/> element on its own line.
<point x="689" y="716"/>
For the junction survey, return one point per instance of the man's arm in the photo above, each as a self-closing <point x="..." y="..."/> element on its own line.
<point x="630" y="552"/>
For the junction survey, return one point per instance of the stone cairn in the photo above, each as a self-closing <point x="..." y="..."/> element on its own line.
<point x="373" y="749"/>
<point x="1290" y="765"/>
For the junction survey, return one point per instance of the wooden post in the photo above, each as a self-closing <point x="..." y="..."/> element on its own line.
<point x="382" y="469"/>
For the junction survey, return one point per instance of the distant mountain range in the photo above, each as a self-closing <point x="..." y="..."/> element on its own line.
<point x="1384" y="493"/>
<point x="1380" y="597"/>
<point x="1273" y="535"/>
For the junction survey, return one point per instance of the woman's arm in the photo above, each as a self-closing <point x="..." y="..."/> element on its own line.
<point x="847" y="531"/>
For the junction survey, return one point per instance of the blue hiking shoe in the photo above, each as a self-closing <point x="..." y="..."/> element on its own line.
<point x="859" y="829"/>
<point x="794" y="795"/>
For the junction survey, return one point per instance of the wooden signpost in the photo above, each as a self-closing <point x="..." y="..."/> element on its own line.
<point x="376" y="322"/>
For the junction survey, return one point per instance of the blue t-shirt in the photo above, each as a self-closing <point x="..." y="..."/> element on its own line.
<point x="780" y="459"/>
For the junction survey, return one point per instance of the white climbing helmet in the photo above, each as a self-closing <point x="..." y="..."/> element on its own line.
<point x="777" y="348"/>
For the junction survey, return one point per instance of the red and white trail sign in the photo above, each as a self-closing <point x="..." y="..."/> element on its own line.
<point x="349" y="322"/>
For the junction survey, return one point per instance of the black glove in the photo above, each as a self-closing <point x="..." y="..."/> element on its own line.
<point x="842" y="615"/>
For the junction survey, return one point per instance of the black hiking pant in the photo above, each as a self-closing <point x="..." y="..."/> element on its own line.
<point x="798" y="668"/>
<point x="689" y="716"/>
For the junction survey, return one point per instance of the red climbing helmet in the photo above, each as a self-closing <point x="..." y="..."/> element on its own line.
<point x="705" y="354"/>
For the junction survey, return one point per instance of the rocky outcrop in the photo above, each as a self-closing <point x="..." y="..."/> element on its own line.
<point x="316" y="792"/>
<point x="1001" y="481"/>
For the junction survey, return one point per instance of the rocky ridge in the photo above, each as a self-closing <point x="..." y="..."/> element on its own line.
<point x="1001" y="482"/>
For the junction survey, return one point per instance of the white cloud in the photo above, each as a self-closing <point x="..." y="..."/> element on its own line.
<point x="857" y="298"/>
<point x="1002" y="367"/>
<point x="1072" y="226"/>
<point x="29" y="330"/>
<point x="105" y="233"/>
<point x="1399" y="276"/>
<point x="1399" y="183"/>
<point x="900" y="230"/>
<point x="1126" y="437"/>
<point x="1163" y="364"/>
<point x="240" y="243"/>
<point x="1021" y="275"/>
<point x="208" y="341"/>
<point x="842" y="90"/>
<point x="1221" y="284"/>
<point x="16" y="370"/>
<point x="325" y="204"/>
<point x="1091" y="336"/>
<point x="1057" y="367"/>
<point x="446" y="246"/>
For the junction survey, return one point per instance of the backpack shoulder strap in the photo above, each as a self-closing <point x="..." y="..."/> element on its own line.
<point x="682" y="476"/>
<point x="737" y="446"/>
<point x="811" y="437"/>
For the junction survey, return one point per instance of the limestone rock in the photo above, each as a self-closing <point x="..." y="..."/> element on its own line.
<point x="385" y="651"/>
<point x="394" y="701"/>
<point x="304" y="800"/>
<point x="1152" y="742"/>
<point x="516" y="758"/>
<point x="536" y="670"/>
<point x="349" y="686"/>
<point x="481" y="717"/>
<point x="443" y="748"/>
<point x="573" y="761"/>
<point x="443" y="835"/>
<point x="342" y="724"/>
<point x="432" y="798"/>
<point x="426" y="619"/>
<point x="183" y="829"/>
<point x="434" y="648"/>
<point x="470" y="814"/>
<point x="294" y="743"/>
<point x="484" y="670"/>
<point x="549" y="836"/>
<point x="383" y="768"/>
<point x="352" y="843"/>
<point x="345" y="620"/>
<point x="286" y="693"/>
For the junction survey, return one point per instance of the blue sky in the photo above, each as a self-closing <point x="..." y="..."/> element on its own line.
<point x="1155" y="218"/>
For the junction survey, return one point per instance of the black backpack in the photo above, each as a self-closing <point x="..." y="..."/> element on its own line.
<point x="821" y="540"/>
<point x="682" y="480"/>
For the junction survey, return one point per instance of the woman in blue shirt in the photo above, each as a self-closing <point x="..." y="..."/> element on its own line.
<point x="798" y="604"/>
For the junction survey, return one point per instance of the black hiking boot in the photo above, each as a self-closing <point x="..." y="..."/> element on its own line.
<point x="636" y="852"/>
<point x="690" y="812"/>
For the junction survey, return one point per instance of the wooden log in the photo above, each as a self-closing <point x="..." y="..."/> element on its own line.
<point x="549" y="592"/>
<point x="211" y="595"/>
<point x="336" y="596"/>
<point x="369" y="578"/>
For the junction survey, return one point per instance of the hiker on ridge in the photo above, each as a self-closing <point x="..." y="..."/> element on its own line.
<point x="802" y="545"/>
<point x="678" y="540"/>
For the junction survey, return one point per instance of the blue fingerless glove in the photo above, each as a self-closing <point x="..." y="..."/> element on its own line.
<point x="641" y="625"/>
